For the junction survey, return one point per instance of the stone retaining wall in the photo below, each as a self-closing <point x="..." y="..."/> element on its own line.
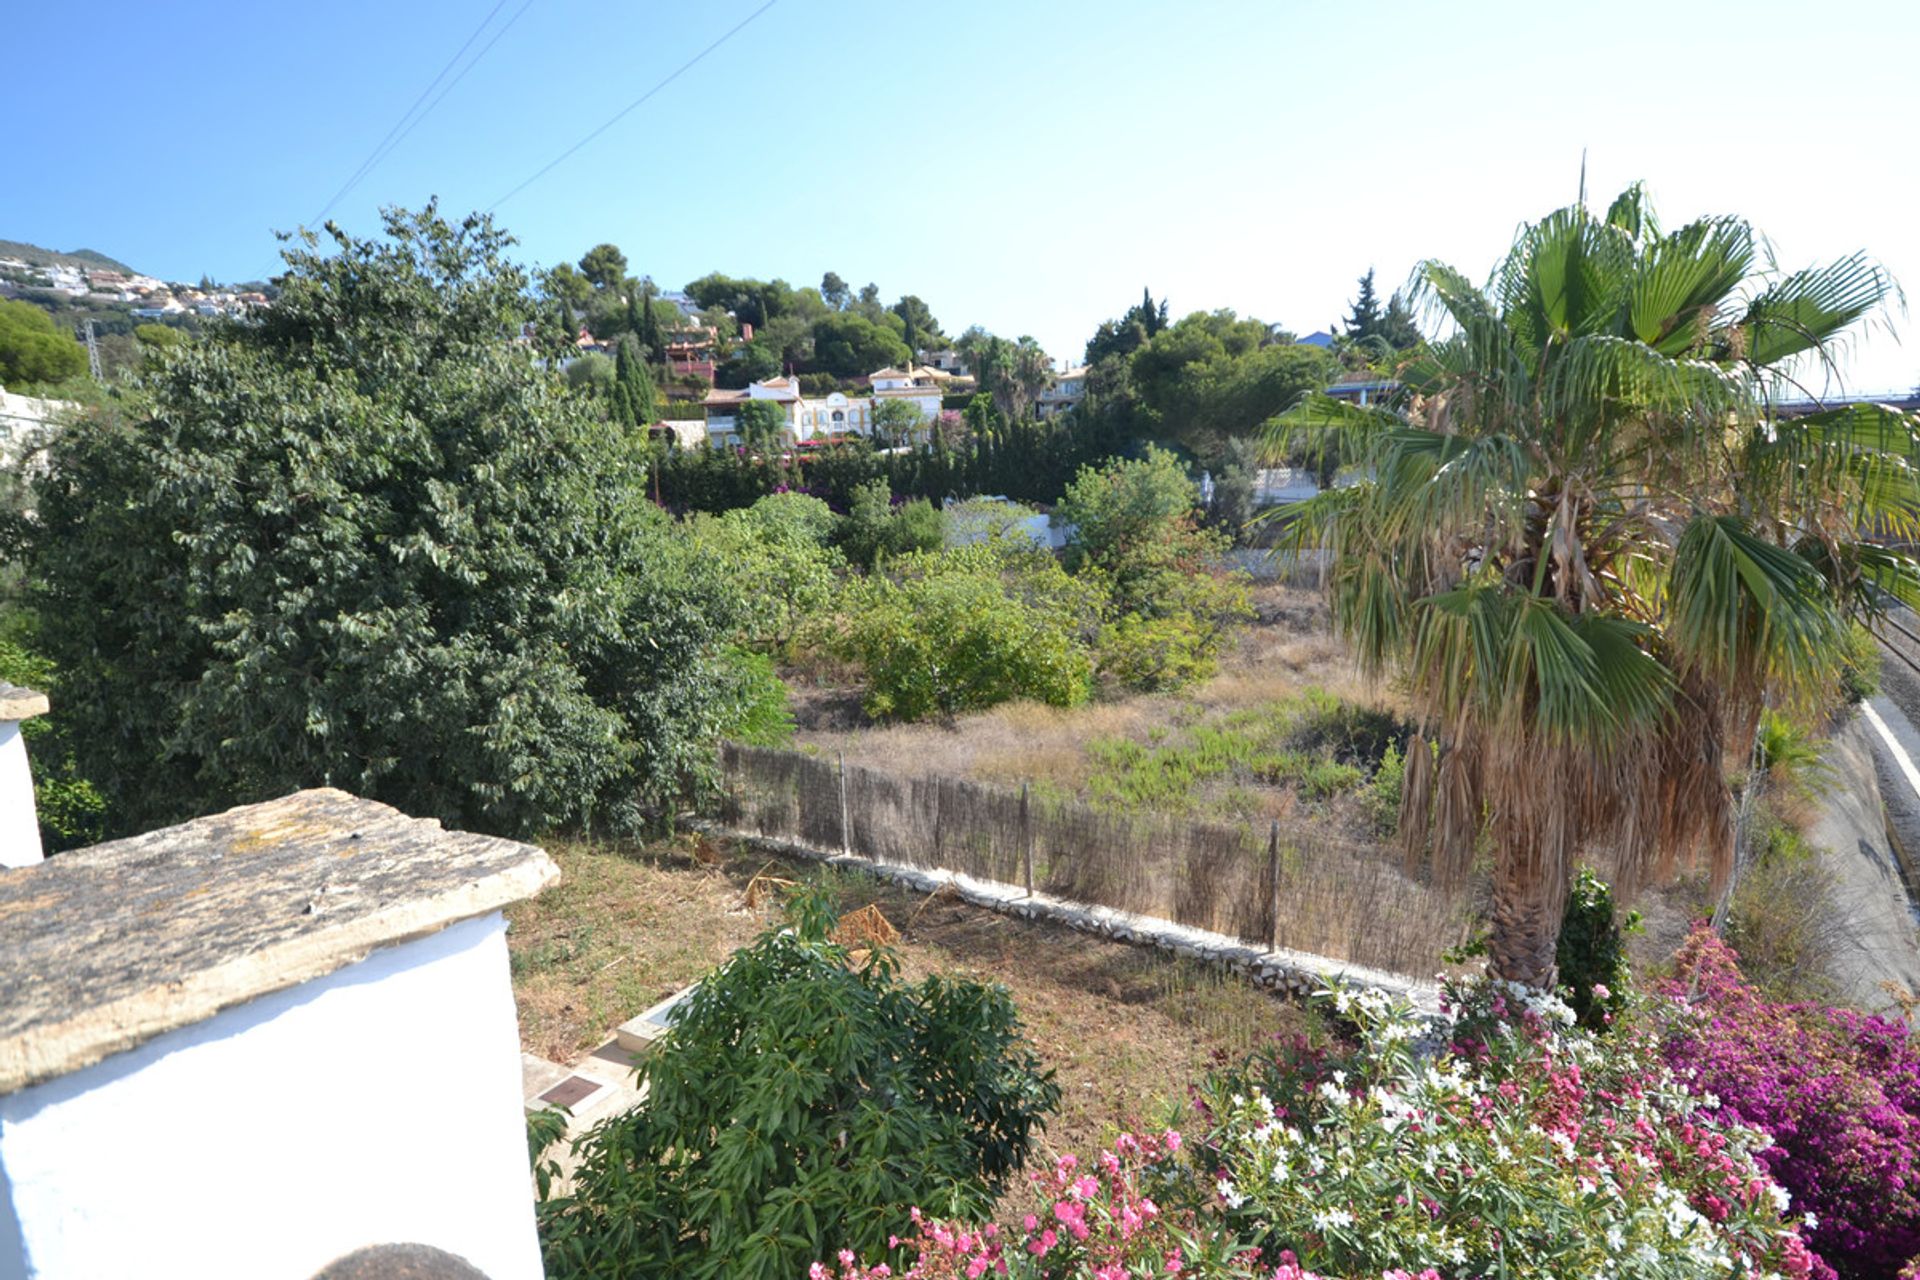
<point x="1294" y="973"/>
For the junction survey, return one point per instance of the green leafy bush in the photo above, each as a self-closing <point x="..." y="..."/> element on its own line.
<point x="1592" y="952"/>
<point x="966" y="629"/>
<point x="363" y="540"/>
<point x="1859" y="665"/>
<point x="1384" y="790"/>
<point x="875" y="529"/>
<point x="778" y="555"/>
<point x="1179" y="638"/>
<point x="70" y="809"/>
<point x="804" y="1102"/>
<point x="763" y="711"/>
<point x="1170" y="608"/>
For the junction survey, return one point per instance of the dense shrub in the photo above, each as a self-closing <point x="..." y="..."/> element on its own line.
<point x="1507" y="1142"/>
<point x="1859" y="665"/>
<point x="875" y="528"/>
<point x="1592" y="951"/>
<point x="1170" y="607"/>
<point x="965" y="629"/>
<point x="763" y="711"/>
<point x="780" y="560"/>
<point x="364" y="540"/>
<point x="1838" y="1091"/>
<point x="1527" y="1148"/>
<point x="805" y="1100"/>
<point x="70" y="809"/>
<point x="1178" y="637"/>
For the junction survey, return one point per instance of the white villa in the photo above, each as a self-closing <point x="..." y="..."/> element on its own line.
<point x="826" y="418"/>
<point x="1068" y="389"/>
<point x="921" y="385"/>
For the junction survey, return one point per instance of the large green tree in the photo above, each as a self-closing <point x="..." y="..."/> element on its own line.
<point x="604" y="266"/>
<point x="848" y="345"/>
<point x="33" y="349"/>
<point x="366" y="541"/>
<point x="761" y="423"/>
<point x="1595" y="553"/>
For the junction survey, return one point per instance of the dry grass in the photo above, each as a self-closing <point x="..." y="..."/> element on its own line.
<point x="1126" y="1029"/>
<point x="1286" y="653"/>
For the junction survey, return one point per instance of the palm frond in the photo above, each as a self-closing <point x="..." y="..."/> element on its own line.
<point x="1742" y="610"/>
<point x="1683" y="279"/>
<point x="1632" y="212"/>
<point x="1807" y="309"/>
<point x="1322" y="419"/>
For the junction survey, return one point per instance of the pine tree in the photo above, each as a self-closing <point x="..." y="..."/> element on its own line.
<point x="1397" y="325"/>
<point x="569" y="325"/>
<point x="1364" y="322"/>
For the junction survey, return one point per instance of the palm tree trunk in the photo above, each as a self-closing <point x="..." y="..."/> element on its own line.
<point x="1526" y="925"/>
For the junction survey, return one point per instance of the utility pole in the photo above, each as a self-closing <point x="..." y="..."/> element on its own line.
<point x="93" y="353"/>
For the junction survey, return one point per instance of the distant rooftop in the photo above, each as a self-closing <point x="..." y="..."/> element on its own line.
<point x="104" y="948"/>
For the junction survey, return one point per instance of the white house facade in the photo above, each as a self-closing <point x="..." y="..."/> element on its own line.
<point x="1067" y="391"/>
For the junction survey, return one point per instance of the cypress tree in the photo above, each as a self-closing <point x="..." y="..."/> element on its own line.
<point x="633" y="401"/>
<point x="650" y="326"/>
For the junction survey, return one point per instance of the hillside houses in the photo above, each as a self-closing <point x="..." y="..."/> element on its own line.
<point x="146" y="297"/>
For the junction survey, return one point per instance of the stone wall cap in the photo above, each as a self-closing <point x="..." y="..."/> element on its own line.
<point x="17" y="703"/>
<point x="104" y="948"/>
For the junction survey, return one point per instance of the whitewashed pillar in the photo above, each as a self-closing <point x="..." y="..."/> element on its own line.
<point x="19" y="827"/>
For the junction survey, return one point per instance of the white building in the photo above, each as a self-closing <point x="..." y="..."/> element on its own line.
<point x="835" y="417"/>
<point x="260" y="1042"/>
<point x="1067" y="391"/>
<point x="920" y="386"/>
<point x="723" y="409"/>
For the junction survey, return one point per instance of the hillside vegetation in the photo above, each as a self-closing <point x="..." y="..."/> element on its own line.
<point x="39" y="257"/>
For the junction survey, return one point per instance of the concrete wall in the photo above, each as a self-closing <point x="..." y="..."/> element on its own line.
<point x="19" y="828"/>
<point x="378" y="1104"/>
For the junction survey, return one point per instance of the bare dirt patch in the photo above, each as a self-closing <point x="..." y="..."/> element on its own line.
<point x="1126" y="1029"/>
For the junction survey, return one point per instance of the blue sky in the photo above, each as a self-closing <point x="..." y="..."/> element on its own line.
<point x="1024" y="166"/>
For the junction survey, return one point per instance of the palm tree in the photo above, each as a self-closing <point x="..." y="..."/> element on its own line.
<point x="1593" y="551"/>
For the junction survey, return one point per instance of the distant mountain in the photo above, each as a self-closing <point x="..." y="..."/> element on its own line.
<point x="39" y="257"/>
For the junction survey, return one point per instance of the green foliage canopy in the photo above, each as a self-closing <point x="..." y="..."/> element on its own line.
<point x="366" y="542"/>
<point x="803" y="1103"/>
<point x="34" y="350"/>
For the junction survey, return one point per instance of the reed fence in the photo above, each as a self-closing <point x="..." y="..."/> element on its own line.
<point x="1287" y="885"/>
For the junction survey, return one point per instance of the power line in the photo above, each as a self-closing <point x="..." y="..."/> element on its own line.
<point x="622" y="113"/>
<point x="374" y="156"/>
<point x="439" y="97"/>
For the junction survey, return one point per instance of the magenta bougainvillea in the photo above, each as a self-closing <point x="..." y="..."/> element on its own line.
<point x="1838" y="1092"/>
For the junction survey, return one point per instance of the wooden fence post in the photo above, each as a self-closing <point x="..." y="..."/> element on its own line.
<point x="1273" y="886"/>
<point x="1026" y="839"/>
<point x="846" y="842"/>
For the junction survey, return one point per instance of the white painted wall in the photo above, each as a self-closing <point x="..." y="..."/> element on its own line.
<point x="19" y="829"/>
<point x="378" y="1104"/>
